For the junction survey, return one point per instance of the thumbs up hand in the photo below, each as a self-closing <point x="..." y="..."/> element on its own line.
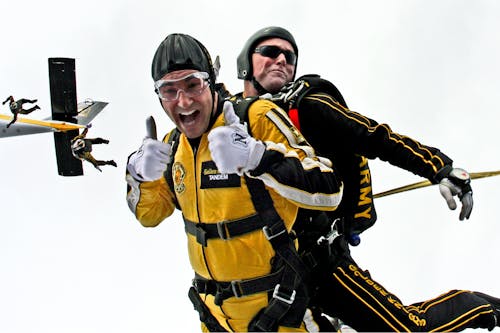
<point x="233" y="149"/>
<point x="151" y="160"/>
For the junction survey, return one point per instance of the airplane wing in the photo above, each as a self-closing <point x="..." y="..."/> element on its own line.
<point x="26" y="126"/>
<point x="87" y="111"/>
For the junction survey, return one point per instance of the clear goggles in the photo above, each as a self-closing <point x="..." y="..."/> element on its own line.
<point x="191" y="85"/>
<point x="273" y="51"/>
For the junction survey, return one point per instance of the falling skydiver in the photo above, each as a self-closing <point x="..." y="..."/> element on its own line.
<point x="81" y="148"/>
<point x="16" y="107"/>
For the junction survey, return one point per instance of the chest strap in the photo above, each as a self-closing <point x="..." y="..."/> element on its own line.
<point x="223" y="230"/>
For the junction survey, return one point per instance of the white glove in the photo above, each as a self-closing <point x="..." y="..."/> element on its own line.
<point x="233" y="149"/>
<point x="152" y="158"/>
<point x="457" y="182"/>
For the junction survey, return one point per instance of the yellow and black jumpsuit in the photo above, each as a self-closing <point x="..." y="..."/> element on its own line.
<point x="344" y="290"/>
<point x="294" y="178"/>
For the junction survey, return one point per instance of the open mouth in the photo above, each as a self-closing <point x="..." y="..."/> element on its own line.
<point x="188" y="118"/>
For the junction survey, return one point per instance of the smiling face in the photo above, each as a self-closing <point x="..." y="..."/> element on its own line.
<point x="273" y="73"/>
<point x="191" y="114"/>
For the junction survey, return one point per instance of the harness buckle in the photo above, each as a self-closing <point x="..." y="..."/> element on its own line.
<point x="235" y="287"/>
<point x="198" y="286"/>
<point x="331" y="235"/>
<point x="269" y="235"/>
<point x="289" y="92"/>
<point x="280" y="296"/>
<point x="221" y="230"/>
<point x="201" y="235"/>
<point x="227" y="290"/>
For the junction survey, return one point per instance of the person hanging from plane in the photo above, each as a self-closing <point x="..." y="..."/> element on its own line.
<point x="81" y="148"/>
<point x="16" y="107"/>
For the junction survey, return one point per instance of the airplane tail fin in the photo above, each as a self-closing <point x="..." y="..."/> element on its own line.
<point x="67" y="164"/>
<point x="64" y="108"/>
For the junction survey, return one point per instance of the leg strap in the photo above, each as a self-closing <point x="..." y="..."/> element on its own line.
<point x="206" y="316"/>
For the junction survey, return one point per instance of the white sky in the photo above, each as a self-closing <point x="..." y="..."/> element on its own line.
<point x="72" y="256"/>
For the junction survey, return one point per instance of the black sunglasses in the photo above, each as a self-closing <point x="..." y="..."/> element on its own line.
<point x="272" y="51"/>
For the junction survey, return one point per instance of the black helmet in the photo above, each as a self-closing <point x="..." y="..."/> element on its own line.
<point x="244" y="62"/>
<point x="179" y="51"/>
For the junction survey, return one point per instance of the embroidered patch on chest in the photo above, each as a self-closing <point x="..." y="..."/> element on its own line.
<point x="178" y="175"/>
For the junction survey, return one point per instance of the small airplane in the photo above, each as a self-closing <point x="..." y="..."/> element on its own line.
<point x="67" y="119"/>
<point x="87" y="111"/>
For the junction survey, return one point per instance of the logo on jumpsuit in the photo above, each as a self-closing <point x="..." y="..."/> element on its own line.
<point x="178" y="174"/>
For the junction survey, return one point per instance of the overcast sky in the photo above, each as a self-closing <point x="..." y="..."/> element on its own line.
<point x="72" y="256"/>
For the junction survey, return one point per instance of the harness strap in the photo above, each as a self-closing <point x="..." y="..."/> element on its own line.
<point x="268" y="318"/>
<point x="283" y="300"/>
<point x="324" y="248"/>
<point x="283" y="246"/>
<point x="223" y="230"/>
<point x="284" y="307"/>
<point x="282" y="303"/>
<point x="173" y="139"/>
<point x="275" y="230"/>
<point x="206" y="316"/>
<point x="237" y="288"/>
<point x="261" y="199"/>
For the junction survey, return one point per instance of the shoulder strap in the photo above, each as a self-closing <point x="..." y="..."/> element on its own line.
<point x="314" y="82"/>
<point x="291" y="95"/>
<point x="289" y="297"/>
<point x="241" y="106"/>
<point x="173" y="139"/>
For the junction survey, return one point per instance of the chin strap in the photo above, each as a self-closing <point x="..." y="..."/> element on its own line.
<point x="260" y="89"/>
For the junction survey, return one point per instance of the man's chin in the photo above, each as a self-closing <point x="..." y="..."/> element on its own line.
<point x="275" y="86"/>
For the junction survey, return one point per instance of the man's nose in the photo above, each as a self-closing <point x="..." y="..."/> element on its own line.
<point x="281" y="58"/>
<point x="184" y="100"/>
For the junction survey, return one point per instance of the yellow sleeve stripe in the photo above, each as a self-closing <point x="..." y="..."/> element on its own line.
<point x="284" y="128"/>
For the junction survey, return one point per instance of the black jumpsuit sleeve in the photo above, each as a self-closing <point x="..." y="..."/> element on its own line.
<point x="330" y="127"/>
